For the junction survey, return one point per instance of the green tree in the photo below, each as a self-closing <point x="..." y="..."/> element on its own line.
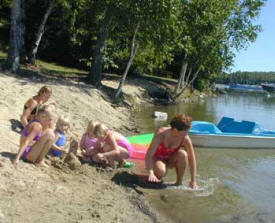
<point x="149" y="21"/>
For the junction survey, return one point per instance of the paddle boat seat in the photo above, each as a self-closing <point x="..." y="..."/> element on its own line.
<point x="229" y="125"/>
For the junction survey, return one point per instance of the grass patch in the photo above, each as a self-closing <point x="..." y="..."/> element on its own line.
<point x="58" y="69"/>
<point x="3" y="58"/>
<point x="3" y="55"/>
<point x="46" y="68"/>
<point x="160" y="80"/>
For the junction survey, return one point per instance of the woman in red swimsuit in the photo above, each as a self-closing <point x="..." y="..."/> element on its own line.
<point x="164" y="151"/>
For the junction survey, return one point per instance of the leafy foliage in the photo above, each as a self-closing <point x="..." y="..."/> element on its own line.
<point x="203" y="33"/>
<point x="246" y="78"/>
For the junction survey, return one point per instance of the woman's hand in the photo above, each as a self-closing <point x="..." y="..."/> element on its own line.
<point x="152" y="178"/>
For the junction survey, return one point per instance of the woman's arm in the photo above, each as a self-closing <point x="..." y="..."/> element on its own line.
<point x="188" y="145"/>
<point x="27" y="112"/>
<point x="150" y="155"/>
<point x="23" y="145"/>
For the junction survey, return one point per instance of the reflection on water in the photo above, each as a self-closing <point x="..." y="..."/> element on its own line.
<point x="255" y="107"/>
<point x="235" y="185"/>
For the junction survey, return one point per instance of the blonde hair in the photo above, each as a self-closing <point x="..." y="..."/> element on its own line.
<point x="44" y="110"/>
<point x="63" y="119"/>
<point x="91" y="126"/>
<point x="100" y="130"/>
<point x="44" y="90"/>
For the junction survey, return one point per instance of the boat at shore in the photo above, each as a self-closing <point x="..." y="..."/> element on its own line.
<point x="231" y="134"/>
<point x="228" y="133"/>
<point x="245" y="88"/>
<point x="240" y="88"/>
<point x="268" y="87"/>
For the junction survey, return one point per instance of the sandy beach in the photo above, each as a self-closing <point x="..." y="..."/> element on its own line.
<point x="66" y="192"/>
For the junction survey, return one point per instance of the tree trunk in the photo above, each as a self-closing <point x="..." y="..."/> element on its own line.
<point x="187" y="83"/>
<point x="95" y="75"/>
<point x="181" y="76"/>
<point x="134" y="48"/>
<point x="39" y="34"/>
<point x="182" y="81"/>
<point x="13" y="62"/>
<point x="23" y="19"/>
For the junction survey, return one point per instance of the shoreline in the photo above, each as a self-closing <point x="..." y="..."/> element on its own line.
<point x="65" y="192"/>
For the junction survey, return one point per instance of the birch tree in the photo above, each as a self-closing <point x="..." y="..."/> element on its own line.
<point x="39" y="33"/>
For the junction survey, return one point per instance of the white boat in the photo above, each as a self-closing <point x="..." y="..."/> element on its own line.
<point x="268" y="87"/>
<point x="160" y="115"/>
<point x="231" y="134"/>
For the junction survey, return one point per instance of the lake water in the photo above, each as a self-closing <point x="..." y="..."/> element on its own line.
<point x="235" y="185"/>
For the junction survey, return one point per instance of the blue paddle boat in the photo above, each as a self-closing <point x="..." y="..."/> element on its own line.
<point x="229" y="133"/>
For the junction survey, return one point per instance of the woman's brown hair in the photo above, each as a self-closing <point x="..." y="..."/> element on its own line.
<point x="181" y="122"/>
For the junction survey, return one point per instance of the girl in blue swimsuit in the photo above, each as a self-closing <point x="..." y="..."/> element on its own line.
<point x="62" y="126"/>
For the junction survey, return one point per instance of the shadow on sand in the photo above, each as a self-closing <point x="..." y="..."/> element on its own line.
<point x="8" y="155"/>
<point x="16" y="126"/>
<point x="134" y="181"/>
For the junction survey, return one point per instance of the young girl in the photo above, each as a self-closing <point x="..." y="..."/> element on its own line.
<point x="32" y="105"/>
<point x="36" y="138"/>
<point x="116" y="147"/>
<point x="89" y="144"/>
<point x="62" y="126"/>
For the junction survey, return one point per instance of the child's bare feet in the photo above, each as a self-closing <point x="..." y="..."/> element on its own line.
<point x="111" y="163"/>
<point x="86" y="158"/>
<point x="121" y="163"/>
<point x="42" y="164"/>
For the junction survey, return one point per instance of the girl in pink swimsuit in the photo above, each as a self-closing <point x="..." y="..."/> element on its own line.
<point x="115" y="146"/>
<point x="164" y="151"/>
<point x="89" y="143"/>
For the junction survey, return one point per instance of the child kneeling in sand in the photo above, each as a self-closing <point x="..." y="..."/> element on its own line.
<point x="89" y="144"/>
<point x="62" y="126"/>
<point x="37" y="138"/>
<point x="115" y="146"/>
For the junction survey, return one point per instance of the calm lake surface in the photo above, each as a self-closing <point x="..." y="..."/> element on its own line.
<point x="235" y="185"/>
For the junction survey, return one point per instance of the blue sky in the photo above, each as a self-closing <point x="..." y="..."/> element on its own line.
<point x="260" y="55"/>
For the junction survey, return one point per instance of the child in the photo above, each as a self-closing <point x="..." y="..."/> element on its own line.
<point x="62" y="126"/>
<point x="36" y="138"/>
<point x="116" y="147"/>
<point x="89" y="144"/>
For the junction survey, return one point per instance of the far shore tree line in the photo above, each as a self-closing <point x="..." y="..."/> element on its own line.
<point x="251" y="78"/>
<point x="190" y="40"/>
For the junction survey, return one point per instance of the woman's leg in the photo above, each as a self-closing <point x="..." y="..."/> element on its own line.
<point x="41" y="147"/>
<point x="179" y="161"/>
<point x="159" y="168"/>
